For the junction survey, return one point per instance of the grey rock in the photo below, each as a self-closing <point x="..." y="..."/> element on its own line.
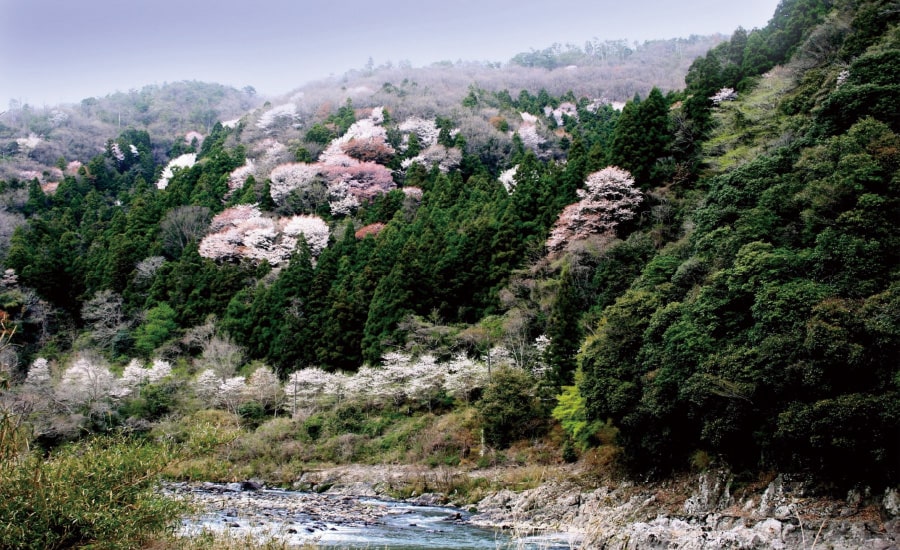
<point x="891" y="502"/>
<point x="712" y="494"/>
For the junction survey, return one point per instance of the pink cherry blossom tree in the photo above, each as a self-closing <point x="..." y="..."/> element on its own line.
<point x="242" y="232"/>
<point x="363" y="180"/>
<point x="608" y="199"/>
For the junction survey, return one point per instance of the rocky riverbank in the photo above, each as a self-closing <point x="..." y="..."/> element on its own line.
<point x="692" y="512"/>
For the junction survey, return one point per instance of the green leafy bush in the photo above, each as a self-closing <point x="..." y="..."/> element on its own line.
<point x="571" y="413"/>
<point x="101" y="493"/>
<point x="509" y="409"/>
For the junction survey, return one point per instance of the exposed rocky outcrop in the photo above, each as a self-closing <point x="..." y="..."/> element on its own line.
<point x="706" y="516"/>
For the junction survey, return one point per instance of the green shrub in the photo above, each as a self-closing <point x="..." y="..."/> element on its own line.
<point x="252" y="414"/>
<point x="571" y="413"/>
<point x="313" y="426"/>
<point x="100" y="493"/>
<point x="509" y="409"/>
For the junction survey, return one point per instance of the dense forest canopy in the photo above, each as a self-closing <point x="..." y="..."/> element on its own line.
<point x="711" y="270"/>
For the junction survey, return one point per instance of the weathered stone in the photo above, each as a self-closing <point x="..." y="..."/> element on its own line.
<point x="712" y="494"/>
<point x="891" y="502"/>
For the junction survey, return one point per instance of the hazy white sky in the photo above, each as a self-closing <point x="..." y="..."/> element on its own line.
<point x="54" y="51"/>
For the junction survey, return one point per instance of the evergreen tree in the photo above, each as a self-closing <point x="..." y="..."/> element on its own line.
<point x="564" y="328"/>
<point x="642" y="137"/>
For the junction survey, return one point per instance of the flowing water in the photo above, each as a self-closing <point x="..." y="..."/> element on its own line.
<point x="332" y="521"/>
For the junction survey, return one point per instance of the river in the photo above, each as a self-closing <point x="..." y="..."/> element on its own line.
<point x="341" y="521"/>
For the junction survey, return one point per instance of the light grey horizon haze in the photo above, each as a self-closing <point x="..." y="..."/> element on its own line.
<point x="62" y="51"/>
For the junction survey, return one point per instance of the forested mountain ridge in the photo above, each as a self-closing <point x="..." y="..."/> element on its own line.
<point x="709" y="274"/>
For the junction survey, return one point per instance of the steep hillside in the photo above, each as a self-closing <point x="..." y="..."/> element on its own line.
<point x="765" y="335"/>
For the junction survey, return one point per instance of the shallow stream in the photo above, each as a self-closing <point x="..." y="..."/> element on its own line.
<point x="339" y="521"/>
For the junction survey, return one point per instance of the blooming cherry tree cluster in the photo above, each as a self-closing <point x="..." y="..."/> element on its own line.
<point x="191" y="136"/>
<point x="402" y="379"/>
<point x="243" y="232"/>
<point x="566" y="108"/>
<point x="213" y="390"/>
<point x="72" y="167"/>
<point x="263" y="387"/>
<point x="239" y="175"/>
<point x="57" y="117"/>
<point x="31" y="142"/>
<point x="349" y="165"/>
<point x="425" y="129"/>
<point x="206" y="384"/>
<point x="279" y="115"/>
<point x="508" y="178"/>
<point x="286" y="178"/>
<point x="364" y="180"/>
<point x="413" y="193"/>
<point x="446" y="158"/>
<point x="464" y="376"/>
<point x="371" y="229"/>
<point x="86" y="384"/>
<point x="311" y="386"/>
<point x="369" y="150"/>
<point x="136" y="375"/>
<point x="233" y="216"/>
<point x="340" y="200"/>
<point x="528" y="132"/>
<point x="608" y="199"/>
<point x="184" y="161"/>
<point x="842" y="77"/>
<point x="116" y="152"/>
<point x="231" y="393"/>
<point x="313" y="228"/>
<point x="363" y="130"/>
<point x="38" y="379"/>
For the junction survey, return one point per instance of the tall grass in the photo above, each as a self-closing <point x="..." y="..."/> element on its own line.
<point x="100" y="493"/>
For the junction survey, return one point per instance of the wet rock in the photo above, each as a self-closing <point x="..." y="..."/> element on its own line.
<point x="252" y="485"/>
<point x="428" y="499"/>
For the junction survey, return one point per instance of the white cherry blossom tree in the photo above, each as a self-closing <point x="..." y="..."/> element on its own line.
<point x="86" y="385"/>
<point x="263" y="387"/>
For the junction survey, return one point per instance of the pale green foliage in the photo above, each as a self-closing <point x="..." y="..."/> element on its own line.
<point x="746" y="128"/>
<point x="571" y="413"/>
